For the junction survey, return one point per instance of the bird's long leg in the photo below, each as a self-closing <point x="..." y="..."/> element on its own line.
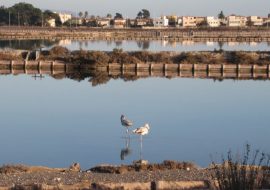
<point x="141" y="148"/>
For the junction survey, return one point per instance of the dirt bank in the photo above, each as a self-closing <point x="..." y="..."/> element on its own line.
<point x="178" y="34"/>
<point x="150" y="176"/>
<point x="101" y="58"/>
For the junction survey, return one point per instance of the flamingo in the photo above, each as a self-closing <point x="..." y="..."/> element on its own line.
<point x="144" y="130"/>
<point x="126" y="122"/>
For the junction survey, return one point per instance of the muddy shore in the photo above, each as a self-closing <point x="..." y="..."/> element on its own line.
<point x="159" y="177"/>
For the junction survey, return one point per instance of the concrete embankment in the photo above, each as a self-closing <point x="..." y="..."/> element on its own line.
<point x="210" y="71"/>
<point x="175" y="34"/>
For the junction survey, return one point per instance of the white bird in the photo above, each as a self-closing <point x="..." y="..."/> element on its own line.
<point x="126" y="122"/>
<point x="144" y="130"/>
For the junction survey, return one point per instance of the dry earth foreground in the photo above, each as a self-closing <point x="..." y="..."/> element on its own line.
<point x="139" y="176"/>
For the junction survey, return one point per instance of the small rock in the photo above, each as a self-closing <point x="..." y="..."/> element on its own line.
<point x="75" y="167"/>
<point x="57" y="179"/>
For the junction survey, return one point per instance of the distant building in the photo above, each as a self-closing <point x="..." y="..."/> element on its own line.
<point x="104" y="22"/>
<point x="51" y="22"/>
<point x="119" y="23"/>
<point x="161" y="22"/>
<point x="76" y="21"/>
<point x="64" y="17"/>
<point x="142" y="22"/>
<point x="179" y="21"/>
<point x="131" y="22"/>
<point x="200" y="20"/>
<point x="236" y="21"/>
<point x="255" y="20"/>
<point x="189" y="21"/>
<point x="212" y="21"/>
<point x="172" y="20"/>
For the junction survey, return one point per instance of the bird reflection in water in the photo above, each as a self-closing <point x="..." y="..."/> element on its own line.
<point x="126" y="151"/>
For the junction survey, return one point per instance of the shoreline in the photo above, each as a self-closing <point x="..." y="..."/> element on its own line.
<point x="170" y="177"/>
<point x="222" y="34"/>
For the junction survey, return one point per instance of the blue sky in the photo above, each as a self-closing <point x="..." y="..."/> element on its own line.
<point x="130" y="8"/>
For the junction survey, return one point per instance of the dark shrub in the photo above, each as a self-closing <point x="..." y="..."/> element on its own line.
<point x="242" y="173"/>
<point x="59" y="51"/>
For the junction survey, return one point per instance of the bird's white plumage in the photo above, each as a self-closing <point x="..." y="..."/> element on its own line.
<point x="144" y="130"/>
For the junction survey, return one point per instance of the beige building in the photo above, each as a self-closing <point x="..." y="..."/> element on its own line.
<point x="141" y="22"/>
<point x="212" y="21"/>
<point x="104" y="22"/>
<point x="255" y="20"/>
<point x="119" y="23"/>
<point x="64" y="17"/>
<point x="189" y="21"/>
<point x="236" y="21"/>
<point x="200" y="20"/>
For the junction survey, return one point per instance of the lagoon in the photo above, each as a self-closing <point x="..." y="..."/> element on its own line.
<point x="56" y="122"/>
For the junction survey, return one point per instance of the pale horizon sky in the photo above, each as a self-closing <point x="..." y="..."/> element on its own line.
<point x="156" y="7"/>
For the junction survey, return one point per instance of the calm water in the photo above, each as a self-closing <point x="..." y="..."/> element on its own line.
<point x="57" y="122"/>
<point x="132" y="45"/>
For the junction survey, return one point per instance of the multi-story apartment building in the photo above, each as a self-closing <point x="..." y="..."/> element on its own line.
<point x="212" y="21"/>
<point x="236" y="21"/>
<point x="255" y="20"/>
<point x="189" y="21"/>
<point x="64" y="17"/>
<point x="161" y="22"/>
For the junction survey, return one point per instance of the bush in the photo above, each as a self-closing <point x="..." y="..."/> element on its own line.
<point x="59" y="51"/>
<point x="244" y="173"/>
<point x="118" y="56"/>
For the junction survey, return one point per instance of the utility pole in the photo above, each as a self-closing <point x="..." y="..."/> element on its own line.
<point x="9" y="19"/>
<point x="76" y="19"/>
<point x="42" y="19"/>
<point x="18" y="19"/>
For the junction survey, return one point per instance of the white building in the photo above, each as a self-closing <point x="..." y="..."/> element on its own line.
<point x="64" y="17"/>
<point x="236" y="21"/>
<point x="212" y="21"/>
<point x="161" y="22"/>
<point x="51" y="22"/>
<point x="255" y="20"/>
<point x="104" y="22"/>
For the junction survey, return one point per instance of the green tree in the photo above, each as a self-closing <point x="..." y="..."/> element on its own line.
<point x="51" y="15"/>
<point x="3" y="16"/>
<point x="118" y="16"/>
<point x="80" y="14"/>
<point x="86" y="14"/>
<point x="140" y="15"/>
<point x="221" y="15"/>
<point x="109" y="15"/>
<point x="25" y="14"/>
<point x="144" y="13"/>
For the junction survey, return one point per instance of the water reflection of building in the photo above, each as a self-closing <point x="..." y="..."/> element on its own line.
<point x="173" y="44"/>
<point x="253" y="43"/>
<point x="164" y="43"/>
<point x="208" y="43"/>
<point x="143" y="44"/>
<point x="64" y="42"/>
<point x="187" y="42"/>
<point x="233" y="43"/>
